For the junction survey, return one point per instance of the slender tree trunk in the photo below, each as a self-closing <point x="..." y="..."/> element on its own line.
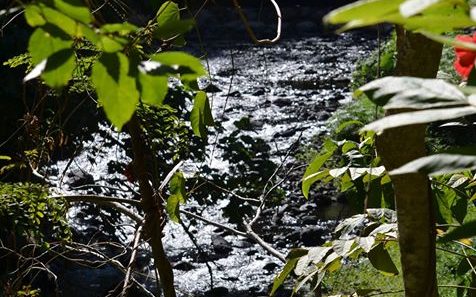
<point x="154" y="212"/>
<point x="420" y="57"/>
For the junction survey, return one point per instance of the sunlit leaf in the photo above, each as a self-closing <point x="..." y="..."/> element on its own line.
<point x="116" y="88"/>
<point x="74" y="9"/>
<point x="201" y="115"/>
<point x="153" y="88"/>
<point x="59" y="68"/>
<point x="419" y="117"/>
<point x="437" y="164"/>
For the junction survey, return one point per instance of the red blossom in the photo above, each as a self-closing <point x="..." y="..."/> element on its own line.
<point x="465" y="58"/>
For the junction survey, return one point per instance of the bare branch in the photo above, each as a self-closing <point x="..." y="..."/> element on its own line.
<point x="131" y="261"/>
<point x="250" y="31"/>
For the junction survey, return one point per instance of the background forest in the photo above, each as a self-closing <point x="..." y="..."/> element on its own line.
<point x="181" y="148"/>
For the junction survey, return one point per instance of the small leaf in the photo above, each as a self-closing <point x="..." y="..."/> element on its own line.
<point x="173" y="208"/>
<point x="177" y="186"/>
<point x="313" y="172"/>
<point x="382" y="261"/>
<point x="201" y="115"/>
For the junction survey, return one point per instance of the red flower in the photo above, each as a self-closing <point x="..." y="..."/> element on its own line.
<point x="465" y="58"/>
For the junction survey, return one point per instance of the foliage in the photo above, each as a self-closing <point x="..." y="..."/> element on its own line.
<point x="118" y="75"/>
<point x="371" y="234"/>
<point x="27" y="212"/>
<point x="355" y="170"/>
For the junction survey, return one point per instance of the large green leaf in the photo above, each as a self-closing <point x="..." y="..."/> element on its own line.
<point x="153" y="88"/>
<point x="34" y="16"/>
<point x="362" y="10"/>
<point x="60" y="20"/>
<point x="59" y="68"/>
<point x="413" y="7"/>
<point x="186" y="65"/>
<point x="381" y="260"/>
<point x="419" y="117"/>
<point x="437" y="164"/>
<point x="201" y="115"/>
<point x="116" y="87"/>
<point x="74" y="9"/>
<point x="46" y="41"/>
<point x="411" y="92"/>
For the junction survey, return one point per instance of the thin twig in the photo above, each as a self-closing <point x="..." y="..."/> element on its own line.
<point x="250" y="31"/>
<point x="237" y="232"/>
<point x="132" y="259"/>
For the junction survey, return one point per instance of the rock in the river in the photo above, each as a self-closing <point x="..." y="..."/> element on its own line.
<point x="220" y="245"/>
<point x="281" y="102"/>
<point x="216" y="292"/>
<point x="270" y="267"/>
<point x="312" y="236"/>
<point x="78" y="177"/>
<point x="184" y="266"/>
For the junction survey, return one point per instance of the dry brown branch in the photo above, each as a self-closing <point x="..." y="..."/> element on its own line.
<point x="250" y="31"/>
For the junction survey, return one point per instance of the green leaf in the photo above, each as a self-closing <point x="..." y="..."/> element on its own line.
<point x="112" y="44"/>
<point x="173" y="208"/>
<point x="413" y="7"/>
<point x="60" y="20"/>
<point x="419" y="117"/>
<point x="186" y="65"/>
<point x="173" y="28"/>
<point x="201" y="115"/>
<point x="293" y="257"/>
<point x="74" y="9"/>
<point x="443" y="207"/>
<point x="177" y="186"/>
<point x="122" y="29"/>
<point x="46" y="41"/>
<point x="362" y="10"/>
<point x="382" y="261"/>
<point x="169" y="11"/>
<point x="313" y="172"/>
<point x="153" y="88"/>
<point x="116" y="87"/>
<point x="59" y="68"/>
<point x="33" y="16"/>
<point x="411" y="92"/>
<point x="466" y="230"/>
<point x="437" y="164"/>
<point x="5" y="158"/>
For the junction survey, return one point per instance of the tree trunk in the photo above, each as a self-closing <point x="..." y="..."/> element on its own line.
<point x="152" y="206"/>
<point x="420" y="57"/>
